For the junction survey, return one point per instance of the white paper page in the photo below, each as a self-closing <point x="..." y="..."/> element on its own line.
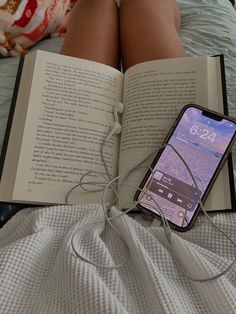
<point x="70" y="112"/>
<point x="154" y="94"/>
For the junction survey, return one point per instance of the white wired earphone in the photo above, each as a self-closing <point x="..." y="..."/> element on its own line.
<point x="108" y="183"/>
<point x="116" y="126"/>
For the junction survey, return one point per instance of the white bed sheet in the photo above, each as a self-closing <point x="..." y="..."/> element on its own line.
<point x="39" y="273"/>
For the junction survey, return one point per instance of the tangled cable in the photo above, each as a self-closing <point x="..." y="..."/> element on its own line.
<point x="109" y="183"/>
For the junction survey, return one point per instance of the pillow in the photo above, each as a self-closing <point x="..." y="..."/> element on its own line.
<point x="25" y="22"/>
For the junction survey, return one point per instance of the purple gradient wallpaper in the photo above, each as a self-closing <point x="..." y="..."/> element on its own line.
<point x="201" y="141"/>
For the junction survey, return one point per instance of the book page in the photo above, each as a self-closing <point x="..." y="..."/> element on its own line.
<point x="154" y="94"/>
<point x="69" y="116"/>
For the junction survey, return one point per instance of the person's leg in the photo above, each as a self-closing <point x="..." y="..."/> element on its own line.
<point x="149" y="30"/>
<point x="93" y="32"/>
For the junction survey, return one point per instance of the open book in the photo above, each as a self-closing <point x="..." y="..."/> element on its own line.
<point x="62" y="111"/>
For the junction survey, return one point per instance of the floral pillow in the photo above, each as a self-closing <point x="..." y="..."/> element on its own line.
<point x="25" y="22"/>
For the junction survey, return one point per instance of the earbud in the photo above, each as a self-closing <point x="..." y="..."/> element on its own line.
<point x="119" y="107"/>
<point x="116" y="126"/>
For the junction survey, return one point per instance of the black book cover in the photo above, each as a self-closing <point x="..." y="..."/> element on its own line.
<point x="11" y="114"/>
<point x="226" y="112"/>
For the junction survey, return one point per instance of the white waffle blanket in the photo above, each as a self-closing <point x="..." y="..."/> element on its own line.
<point x="39" y="273"/>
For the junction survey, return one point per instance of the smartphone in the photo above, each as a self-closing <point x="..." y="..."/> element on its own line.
<point x="204" y="139"/>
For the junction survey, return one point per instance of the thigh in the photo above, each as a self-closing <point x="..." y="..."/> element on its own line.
<point x="149" y="30"/>
<point x="92" y="32"/>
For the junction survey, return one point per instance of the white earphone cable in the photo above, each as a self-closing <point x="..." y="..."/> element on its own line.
<point x="112" y="184"/>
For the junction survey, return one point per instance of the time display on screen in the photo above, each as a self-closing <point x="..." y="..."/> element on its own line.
<point x="203" y="133"/>
<point x="201" y="139"/>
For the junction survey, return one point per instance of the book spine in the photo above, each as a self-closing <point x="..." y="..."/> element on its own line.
<point x="11" y="114"/>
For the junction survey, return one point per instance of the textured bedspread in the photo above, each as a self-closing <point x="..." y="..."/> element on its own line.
<point x="39" y="273"/>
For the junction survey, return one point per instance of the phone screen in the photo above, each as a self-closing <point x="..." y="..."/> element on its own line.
<point x="202" y="141"/>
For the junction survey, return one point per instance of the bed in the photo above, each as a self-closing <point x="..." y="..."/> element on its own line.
<point x="39" y="271"/>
